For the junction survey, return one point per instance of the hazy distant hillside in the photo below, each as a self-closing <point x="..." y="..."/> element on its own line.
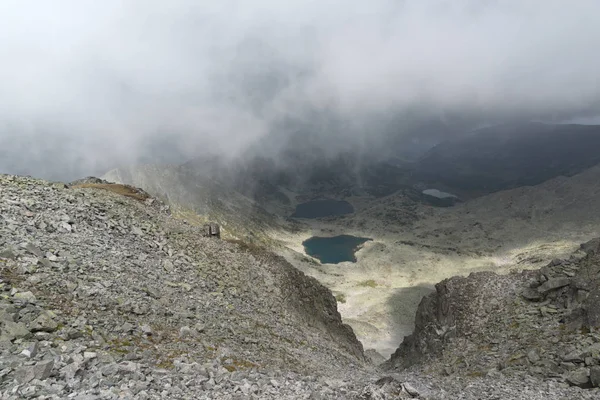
<point x="508" y="156"/>
<point x="472" y="163"/>
<point x="196" y="190"/>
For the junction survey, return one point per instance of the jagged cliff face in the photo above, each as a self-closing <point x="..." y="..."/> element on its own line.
<point x="459" y="308"/>
<point x="539" y="324"/>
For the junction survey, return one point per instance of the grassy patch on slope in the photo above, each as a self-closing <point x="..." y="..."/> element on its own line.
<point x="123" y="190"/>
<point x="369" y="283"/>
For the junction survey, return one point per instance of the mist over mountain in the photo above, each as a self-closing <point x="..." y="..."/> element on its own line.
<point x="87" y="86"/>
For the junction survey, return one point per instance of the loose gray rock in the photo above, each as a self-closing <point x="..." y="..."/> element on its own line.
<point x="8" y="253"/>
<point x="595" y="376"/>
<point x="185" y="332"/>
<point x="25" y="297"/>
<point x="110" y="369"/>
<point x="533" y="356"/>
<point x="32" y="249"/>
<point x="410" y="389"/>
<point x="31" y="351"/>
<point x="25" y="375"/>
<point x="553" y="284"/>
<point x="531" y="294"/>
<point x="44" y="323"/>
<point x="13" y="330"/>
<point x="580" y="377"/>
<point x="147" y="330"/>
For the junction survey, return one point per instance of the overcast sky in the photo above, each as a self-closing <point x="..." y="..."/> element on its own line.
<point x="85" y="84"/>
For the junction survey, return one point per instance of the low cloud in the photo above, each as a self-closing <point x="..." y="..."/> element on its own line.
<point x="85" y="85"/>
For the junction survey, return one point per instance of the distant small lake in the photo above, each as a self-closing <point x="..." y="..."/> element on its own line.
<point x="322" y="208"/>
<point x="333" y="250"/>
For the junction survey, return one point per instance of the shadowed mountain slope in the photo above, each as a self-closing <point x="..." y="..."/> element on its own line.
<point x="200" y="197"/>
<point x="509" y="156"/>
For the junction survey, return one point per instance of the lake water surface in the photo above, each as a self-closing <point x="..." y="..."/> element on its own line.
<point x="333" y="250"/>
<point x="322" y="208"/>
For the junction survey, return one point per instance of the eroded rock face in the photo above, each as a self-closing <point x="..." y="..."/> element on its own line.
<point x="591" y="246"/>
<point x="541" y="324"/>
<point x="317" y="306"/>
<point x="458" y="307"/>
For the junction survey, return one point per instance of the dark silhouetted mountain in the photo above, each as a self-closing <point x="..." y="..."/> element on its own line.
<point x="508" y="156"/>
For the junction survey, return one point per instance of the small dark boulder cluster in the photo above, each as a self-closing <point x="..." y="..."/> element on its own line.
<point x="212" y="230"/>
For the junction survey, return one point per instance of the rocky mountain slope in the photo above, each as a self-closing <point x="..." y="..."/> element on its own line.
<point x="530" y="326"/>
<point x="495" y="158"/>
<point x="560" y="209"/>
<point x="110" y="296"/>
<point x="106" y="296"/>
<point x="197" y="193"/>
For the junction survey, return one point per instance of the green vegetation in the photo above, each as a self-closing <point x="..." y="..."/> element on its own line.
<point x="235" y="364"/>
<point x="310" y="261"/>
<point x="251" y="248"/>
<point x="340" y="297"/>
<point x="123" y="190"/>
<point x="369" y="283"/>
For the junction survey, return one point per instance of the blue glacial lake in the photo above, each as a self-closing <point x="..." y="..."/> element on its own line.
<point x="322" y="208"/>
<point x="333" y="250"/>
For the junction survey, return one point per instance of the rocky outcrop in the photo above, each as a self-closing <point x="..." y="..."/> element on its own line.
<point x="534" y="324"/>
<point x="459" y="307"/>
<point x="575" y="289"/>
<point x="316" y="305"/>
<point x="212" y="230"/>
<point x="123" y="189"/>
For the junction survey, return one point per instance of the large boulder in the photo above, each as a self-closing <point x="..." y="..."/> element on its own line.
<point x="458" y="307"/>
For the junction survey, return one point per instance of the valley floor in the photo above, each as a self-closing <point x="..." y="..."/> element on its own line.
<point x="517" y="229"/>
